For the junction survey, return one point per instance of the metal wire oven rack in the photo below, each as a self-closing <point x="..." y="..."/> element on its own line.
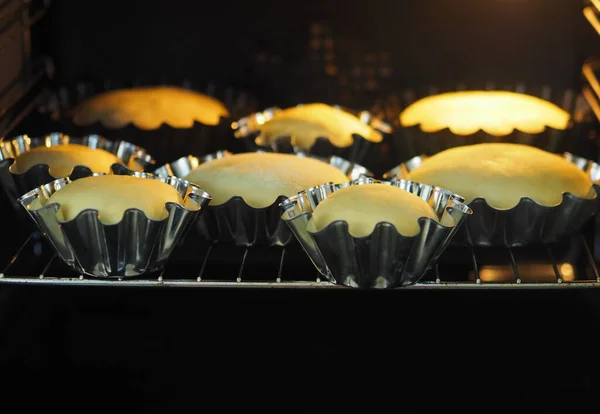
<point x="568" y="264"/>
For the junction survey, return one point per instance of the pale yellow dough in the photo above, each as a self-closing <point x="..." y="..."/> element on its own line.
<point x="259" y="178"/>
<point x="308" y="122"/>
<point x="504" y="173"/>
<point x="63" y="158"/>
<point x="111" y="195"/>
<point x="364" y="206"/>
<point x="494" y="112"/>
<point x="148" y="108"/>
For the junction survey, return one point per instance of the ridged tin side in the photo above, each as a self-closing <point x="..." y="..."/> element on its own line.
<point x="247" y="129"/>
<point x="17" y="184"/>
<point x="238" y="223"/>
<point x="135" y="245"/>
<point x="528" y="222"/>
<point x="385" y="258"/>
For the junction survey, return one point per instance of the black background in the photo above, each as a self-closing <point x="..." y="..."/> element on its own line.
<point x="264" y="46"/>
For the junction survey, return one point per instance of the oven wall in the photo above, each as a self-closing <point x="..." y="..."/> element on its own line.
<point x="348" y="52"/>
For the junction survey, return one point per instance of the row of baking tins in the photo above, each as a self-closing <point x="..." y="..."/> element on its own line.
<point x="383" y="259"/>
<point x="239" y="131"/>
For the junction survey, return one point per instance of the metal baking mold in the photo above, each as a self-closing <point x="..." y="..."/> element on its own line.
<point x="235" y="221"/>
<point x="248" y="128"/>
<point x="411" y="141"/>
<point x="15" y="185"/>
<point x="385" y="258"/>
<point x="134" y="246"/>
<point x="528" y="222"/>
<point x="165" y="142"/>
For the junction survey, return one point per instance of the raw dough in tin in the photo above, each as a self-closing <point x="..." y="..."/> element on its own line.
<point x="259" y="178"/>
<point x="364" y="206"/>
<point x="502" y="174"/>
<point x="306" y="123"/>
<point x="111" y="195"/>
<point x="63" y="158"/>
<point x="147" y="108"/>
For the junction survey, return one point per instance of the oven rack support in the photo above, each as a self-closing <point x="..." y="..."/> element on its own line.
<point x="435" y="280"/>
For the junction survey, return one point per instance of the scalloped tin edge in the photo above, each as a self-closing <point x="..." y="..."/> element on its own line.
<point x="17" y="184"/>
<point x="505" y="227"/>
<point x="119" y="249"/>
<point x="248" y="130"/>
<point x="385" y="258"/>
<point x="412" y="140"/>
<point x="20" y="144"/>
<point x="237" y="222"/>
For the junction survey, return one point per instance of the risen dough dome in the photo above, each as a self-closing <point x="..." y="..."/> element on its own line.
<point x="63" y="158"/>
<point x="308" y="122"/>
<point x="259" y="178"/>
<point x="503" y="173"/>
<point x="111" y="195"/>
<point x="364" y="206"/>
<point x="148" y="108"/>
<point x="494" y="112"/>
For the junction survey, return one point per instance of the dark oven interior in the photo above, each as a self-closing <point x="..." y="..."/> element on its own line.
<point x="258" y="326"/>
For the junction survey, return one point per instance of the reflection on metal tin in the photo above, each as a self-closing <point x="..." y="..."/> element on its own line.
<point x="235" y="221"/>
<point x="15" y="185"/>
<point x="135" y="245"/>
<point x="526" y="223"/>
<point x="413" y="141"/>
<point x="248" y="130"/>
<point x="185" y="165"/>
<point x="385" y="258"/>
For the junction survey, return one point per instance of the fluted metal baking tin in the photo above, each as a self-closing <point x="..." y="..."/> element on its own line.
<point x="15" y="185"/>
<point x="526" y="223"/>
<point x="247" y="129"/>
<point x="165" y="142"/>
<point x="411" y="141"/>
<point x="135" y="245"/>
<point x="385" y="258"/>
<point x="237" y="222"/>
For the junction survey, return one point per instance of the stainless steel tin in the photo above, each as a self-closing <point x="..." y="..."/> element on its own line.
<point x="15" y="185"/>
<point x="184" y="165"/>
<point x="165" y="142"/>
<point x="135" y="245"/>
<point x="248" y="129"/>
<point x="408" y="142"/>
<point x="385" y="258"/>
<point x="238" y="223"/>
<point x="526" y="223"/>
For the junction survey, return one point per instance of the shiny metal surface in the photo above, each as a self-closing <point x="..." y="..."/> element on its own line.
<point x="15" y="185"/>
<point x="184" y="165"/>
<point x="248" y="130"/>
<point x="526" y="223"/>
<point x="385" y="258"/>
<point x="34" y="262"/>
<point x="238" y="223"/>
<point x="135" y="245"/>
<point x="411" y="141"/>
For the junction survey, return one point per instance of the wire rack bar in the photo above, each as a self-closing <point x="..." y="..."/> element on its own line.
<point x="276" y="279"/>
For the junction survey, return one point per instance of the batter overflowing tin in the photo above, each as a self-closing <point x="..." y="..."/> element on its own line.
<point x="315" y="129"/>
<point x="115" y="225"/>
<point x="374" y="234"/>
<point x="433" y="120"/>
<point x="27" y="163"/>
<point x="169" y="120"/>
<point x="247" y="189"/>
<point x="519" y="195"/>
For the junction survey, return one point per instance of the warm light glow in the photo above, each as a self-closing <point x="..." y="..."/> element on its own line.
<point x="497" y="113"/>
<point x="528" y="273"/>
<point x="590" y="14"/>
<point x="591" y="100"/>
